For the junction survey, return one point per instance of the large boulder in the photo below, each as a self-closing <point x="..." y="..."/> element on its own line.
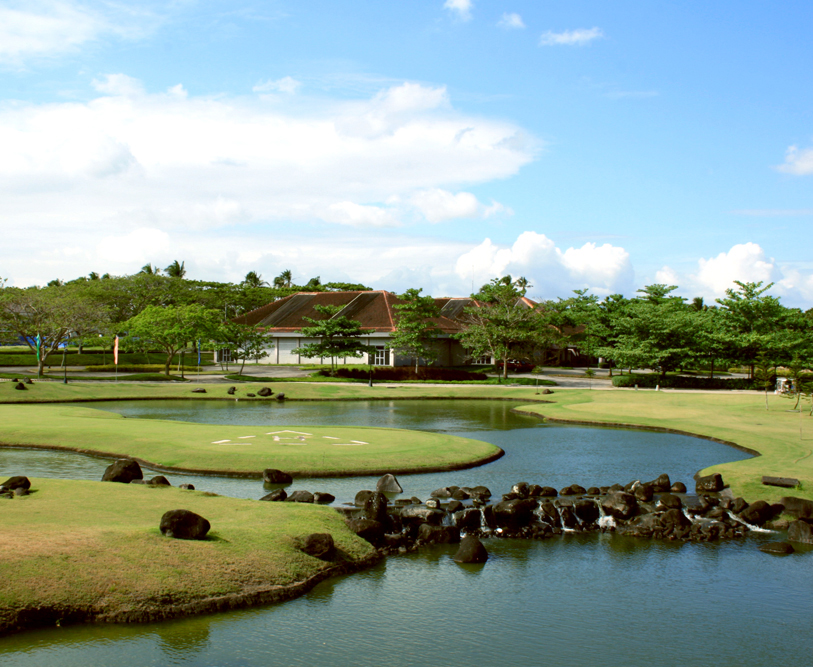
<point x="20" y="386"/>
<point x="670" y="501"/>
<point x="318" y="545"/>
<point x="438" y="534"/>
<point x="586" y="510"/>
<point x="661" y="485"/>
<point x="415" y="514"/>
<point x="375" y="507"/>
<point x="265" y="392"/>
<point x="678" y="487"/>
<point x="362" y="497"/>
<point x="159" y="480"/>
<point x="372" y="531"/>
<point x="301" y="496"/>
<point x="471" y="550"/>
<point x="777" y="548"/>
<point x="123" y="470"/>
<point x="675" y="518"/>
<point x="277" y="495"/>
<point x="273" y="476"/>
<point x="470" y="518"/>
<point x="801" y="508"/>
<point x="800" y="531"/>
<point x="620" y="505"/>
<point x="444" y="492"/>
<point x="184" y="525"/>
<point x="515" y="513"/>
<point x="757" y="513"/>
<point x="573" y="490"/>
<point x="323" y="498"/>
<point x="16" y="482"/>
<point x="388" y="484"/>
<point x="709" y="483"/>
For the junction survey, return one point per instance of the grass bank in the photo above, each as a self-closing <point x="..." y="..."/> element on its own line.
<point x="736" y="419"/>
<point x="76" y="551"/>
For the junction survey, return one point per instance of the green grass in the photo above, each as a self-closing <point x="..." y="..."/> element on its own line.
<point x="73" y="358"/>
<point x="324" y="378"/>
<point x="734" y="418"/>
<point x="94" y="546"/>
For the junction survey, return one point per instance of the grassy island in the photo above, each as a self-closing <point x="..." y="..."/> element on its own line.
<point x="82" y="551"/>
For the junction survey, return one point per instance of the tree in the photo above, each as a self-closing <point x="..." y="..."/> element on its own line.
<point x="170" y="328"/>
<point x="45" y="318"/>
<point x="150" y="270"/>
<point x="314" y="284"/>
<point x="415" y="332"/>
<point x="176" y="270"/>
<point x="254" y="279"/>
<point x="338" y="337"/>
<point x="502" y="324"/>
<point x="283" y="279"/>
<point x="246" y="341"/>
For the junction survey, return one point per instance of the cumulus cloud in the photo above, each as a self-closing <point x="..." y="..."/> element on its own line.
<point x="142" y="159"/>
<point x="286" y="84"/>
<point x="798" y="162"/>
<point x="460" y="8"/>
<point x="438" y="205"/>
<point x="553" y="272"/>
<point x="578" y="37"/>
<point x="511" y="21"/>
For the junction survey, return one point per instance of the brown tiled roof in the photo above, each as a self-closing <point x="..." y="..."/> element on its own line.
<point x="373" y="309"/>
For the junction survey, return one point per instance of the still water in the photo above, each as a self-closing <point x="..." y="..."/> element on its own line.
<point x="576" y="600"/>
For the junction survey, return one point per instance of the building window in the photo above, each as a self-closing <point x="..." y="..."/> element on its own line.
<point x="224" y="356"/>
<point x="381" y="357"/>
<point x="485" y="360"/>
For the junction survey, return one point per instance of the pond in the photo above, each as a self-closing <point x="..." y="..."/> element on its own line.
<point x="579" y="599"/>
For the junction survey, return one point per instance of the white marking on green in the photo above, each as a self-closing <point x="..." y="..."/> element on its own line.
<point x="243" y="437"/>
<point x="220" y="442"/>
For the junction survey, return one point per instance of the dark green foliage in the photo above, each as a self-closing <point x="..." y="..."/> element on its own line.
<point x="650" y="381"/>
<point x="404" y="373"/>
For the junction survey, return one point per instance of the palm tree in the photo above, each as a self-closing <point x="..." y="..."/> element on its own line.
<point x="283" y="279"/>
<point x="176" y="270"/>
<point x="254" y="279"/>
<point x="150" y="270"/>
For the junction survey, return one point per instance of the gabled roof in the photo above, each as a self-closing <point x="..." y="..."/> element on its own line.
<point x="373" y="309"/>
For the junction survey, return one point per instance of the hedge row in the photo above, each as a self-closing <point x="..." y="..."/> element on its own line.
<point x="402" y="373"/>
<point x="683" y="382"/>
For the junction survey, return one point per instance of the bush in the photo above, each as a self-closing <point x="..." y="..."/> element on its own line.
<point x="682" y="382"/>
<point x="405" y="373"/>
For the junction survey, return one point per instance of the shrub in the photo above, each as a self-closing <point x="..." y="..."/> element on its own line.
<point x="682" y="382"/>
<point x="404" y="373"/>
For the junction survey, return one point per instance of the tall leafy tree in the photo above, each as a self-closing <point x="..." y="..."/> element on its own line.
<point x="176" y="269"/>
<point x="171" y="328"/>
<point x="284" y="279"/>
<point x="254" y="279"/>
<point x="246" y="341"/>
<point x="339" y="337"/>
<point x="415" y="330"/>
<point x="502" y="324"/>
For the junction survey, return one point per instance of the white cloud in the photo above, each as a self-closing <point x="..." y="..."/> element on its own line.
<point x="461" y="8"/>
<point x="139" y="246"/>
<point x="511" y="21"/>
<point x="797" y="162"/>
<point x="552" y="272"/>
<point x="286" y="84"/>
<point x="578" y="37"/>
<point x="174" y="160"/>
<point x="438" y="205"/>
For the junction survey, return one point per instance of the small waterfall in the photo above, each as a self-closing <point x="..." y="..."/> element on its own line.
<point x="750" y="526"/>
<point x="484" y="527"/>
<point x="562" y="521"/>
<point x="605" y="521"/>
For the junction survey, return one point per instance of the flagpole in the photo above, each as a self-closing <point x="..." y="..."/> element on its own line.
<point x="116" y="356"/>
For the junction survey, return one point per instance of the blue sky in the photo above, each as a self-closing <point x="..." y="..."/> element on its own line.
<point x="431" y="143"/>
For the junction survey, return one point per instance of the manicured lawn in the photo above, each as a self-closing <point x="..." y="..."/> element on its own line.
<point x="729" y="417"/>
<point x="95" y="546"/>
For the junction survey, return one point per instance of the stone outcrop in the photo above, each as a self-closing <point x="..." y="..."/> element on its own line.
<point x="388" y="484"/>
<point x="184" y="525"/>
<point x="471" y="550"/>
<point x="274" y="476"/>
<point x="123" y="470"/>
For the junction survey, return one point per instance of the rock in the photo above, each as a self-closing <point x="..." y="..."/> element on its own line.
<point x="568" y="518"/>
<point x="757" y="513"/>
<point x="546" y="391"/>
<point x="29" y="380"/>
<point x="800" y="531"/>
<point x="159" y="480"/>
<point x="367" y="529"/>
<point x="643" y="492"/>
<point x="643" y="526"/>
<point x="470" y="518"/>
<point x="272" y="476"/>
<point x="434" y="503"/>
<point x="16" y="482"/>
<point x="184" y="525"/>
<point x="513" y="514"/>
<point x="675" y="518"/>
<point x="20" y="386"/>
<point x="593" y="491"/>
<point x="777" y="548"/>
<point x="301" y="496"/>
<point x="277" y="495"/>
<point x="438" y="534"/>
<point x="265" y="392"/>
<point x="586" y="510"/>
<point x="123" y="470"/>
<point x="461" y="494"/>
<point x="549" y="514"/>
<point x="670" y="501"/>
<point x="318" y="545"/>
<point x="661" y="485"/>
<point x="388" y="484"/>
<point x="454" y="506"/>
<point x="573" y="490"/>
<point x="323" y="498"/>
<point x="201" y="390"/>
<point x="230" y="391"/>
<point x="620" y="505"/>
<point x="521" y="490"/>
<point x="416" y="514"/>
<point x="678" y="487"/>
<point x="471" y="551"/>
<point x="6" y="494"/>
<point x="801" y="508"/>
<point x="20" y="491"/>
<point x="375" y="507"/>
<point x="187" y="487"/>
<point x="548" y="492"/>
<point x="444" y="492"/>
<point x="479" y="491"/>
<point x="251" y="395"/>
<point x="709" y="483"/>
<point x="738" y="505"/>
<point x="280" y="397"/>
<point x="362" y="496"/>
